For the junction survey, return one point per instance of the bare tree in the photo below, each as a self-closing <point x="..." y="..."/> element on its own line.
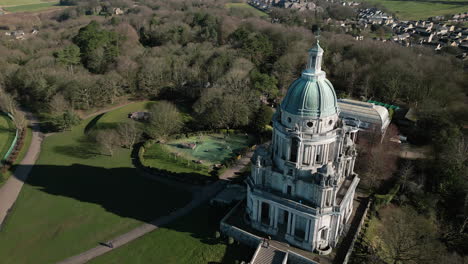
<point x="8" y="105"/>
<point x="165" y="120"/>
<point x="108" y="140"/>
<point x="408" y="237"/>
<point x="128" y="134"/>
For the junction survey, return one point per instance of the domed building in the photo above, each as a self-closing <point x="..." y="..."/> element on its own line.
<point x="302" y="185"/>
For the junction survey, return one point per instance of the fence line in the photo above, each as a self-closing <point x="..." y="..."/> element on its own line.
<point x="13" y="143"/>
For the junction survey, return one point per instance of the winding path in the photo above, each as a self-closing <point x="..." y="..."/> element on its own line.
<point x="10" y="190"/>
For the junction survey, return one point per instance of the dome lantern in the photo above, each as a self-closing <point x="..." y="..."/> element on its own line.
<point x="314" y="64"/>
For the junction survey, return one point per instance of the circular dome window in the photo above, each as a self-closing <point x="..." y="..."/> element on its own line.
<point x="310" y="124"/>
<point x="289" y="120"/>
<point x="330" y="122"/>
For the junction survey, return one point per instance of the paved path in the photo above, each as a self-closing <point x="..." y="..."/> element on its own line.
<point x="201" y="196"/>
<point x="11" y="189"/>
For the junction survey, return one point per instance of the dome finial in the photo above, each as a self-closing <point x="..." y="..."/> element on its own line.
<point x="317" y="35"/>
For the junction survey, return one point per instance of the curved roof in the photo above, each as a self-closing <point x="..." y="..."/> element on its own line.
<point x="310" y="96"/>
<point x="365" y="112"/>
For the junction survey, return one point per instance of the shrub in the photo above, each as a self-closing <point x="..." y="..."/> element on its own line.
<point x="230" y="240"/>
<point x="217" y="235"/>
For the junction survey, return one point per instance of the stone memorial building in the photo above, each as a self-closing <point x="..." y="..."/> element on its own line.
<point x="302" y="185"/>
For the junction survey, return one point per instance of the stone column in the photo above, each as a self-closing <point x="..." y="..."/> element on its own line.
<point x="288" y="229"/>
<point x="311" y="231"/>
<point x="307" y="230"/>
<point x="254" y="209"/>
<point x="271" y="213"/>
<point x="259" y="216"/>
<point x="293" y="226"/>
<point x="275" y="223"/>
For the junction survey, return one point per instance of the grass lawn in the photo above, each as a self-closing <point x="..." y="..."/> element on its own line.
<point x="31" y="7"/>
<point x="7" y="134"/>
<point x="23" y="2"/>
<point x="422" y="9"/>
<point x="113" y="118"/>
<point x="245" y="9"/>
<point x="190" y="240"/>
<point x="76" y="198"/>
<point x="158" y="156"/>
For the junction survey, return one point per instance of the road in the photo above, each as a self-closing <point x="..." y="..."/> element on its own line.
<point x="11" y="189"/>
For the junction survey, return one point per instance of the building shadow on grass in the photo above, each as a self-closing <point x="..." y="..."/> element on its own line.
<point x="124" y="192"/>
<point x="85" y="149"/>
<point x="121" y="191"/>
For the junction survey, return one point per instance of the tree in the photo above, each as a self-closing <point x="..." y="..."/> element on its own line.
<point x="9" y="105"/>
<point x="69" y="56"/>
<point x="226" y="105"/>
<point x="128" y="133"/>
<point x="165" y="120"/>
<point x="262" y="118"/>
<point x="264" y="83"/>
<point x="108" y="140"/>
<point x="99" y="48"/>
<point x="407" y="237"/>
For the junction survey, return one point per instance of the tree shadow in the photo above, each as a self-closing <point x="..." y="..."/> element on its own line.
<point x="7" y="130"/>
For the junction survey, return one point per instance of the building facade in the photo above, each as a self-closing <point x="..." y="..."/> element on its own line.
<point x="302" y="185"/>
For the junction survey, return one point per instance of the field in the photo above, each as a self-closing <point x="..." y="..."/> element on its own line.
<point x="422" y="9"/>
<point x="76" y="197"/>
<point x="245" y="9"/>
<point x="7" y="134"/>
<point x="189" y="240"/>
<point x="27" y="5"/>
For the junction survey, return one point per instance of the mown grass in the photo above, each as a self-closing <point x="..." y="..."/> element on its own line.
<point x="245" y="9"/>
<point x="422" y="9"/>
<point x="7" y="134"/>
<point x="31" y="7"/>
<point x="189" y="240"/>
<point x="120" y="115"/>
<point x="76" y="197"/>
<point x="158" y="156"/>
<point x="23" y="2"/>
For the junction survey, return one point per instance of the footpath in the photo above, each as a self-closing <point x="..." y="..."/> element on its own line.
<point x="10" y="190"/>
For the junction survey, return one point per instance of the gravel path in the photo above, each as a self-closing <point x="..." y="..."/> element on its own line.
<point x="11" y="189"/>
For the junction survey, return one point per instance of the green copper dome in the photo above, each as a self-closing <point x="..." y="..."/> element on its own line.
<point x="308" y="96"/>
<point x="311" y="95"/>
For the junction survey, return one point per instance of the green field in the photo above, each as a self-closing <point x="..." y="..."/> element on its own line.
<point x="7" y="134"/>
<point x="422" y="9"/>
<point x="189" y="240"/>
<point x="245" y="9"/>
<point x="76" y="197"/>
<point x="27" y="5"/>
<point x="113" y="118"/>
<point x="159" y="156"/>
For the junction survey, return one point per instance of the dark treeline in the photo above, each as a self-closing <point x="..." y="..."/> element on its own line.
<point x="222" y="64"/>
